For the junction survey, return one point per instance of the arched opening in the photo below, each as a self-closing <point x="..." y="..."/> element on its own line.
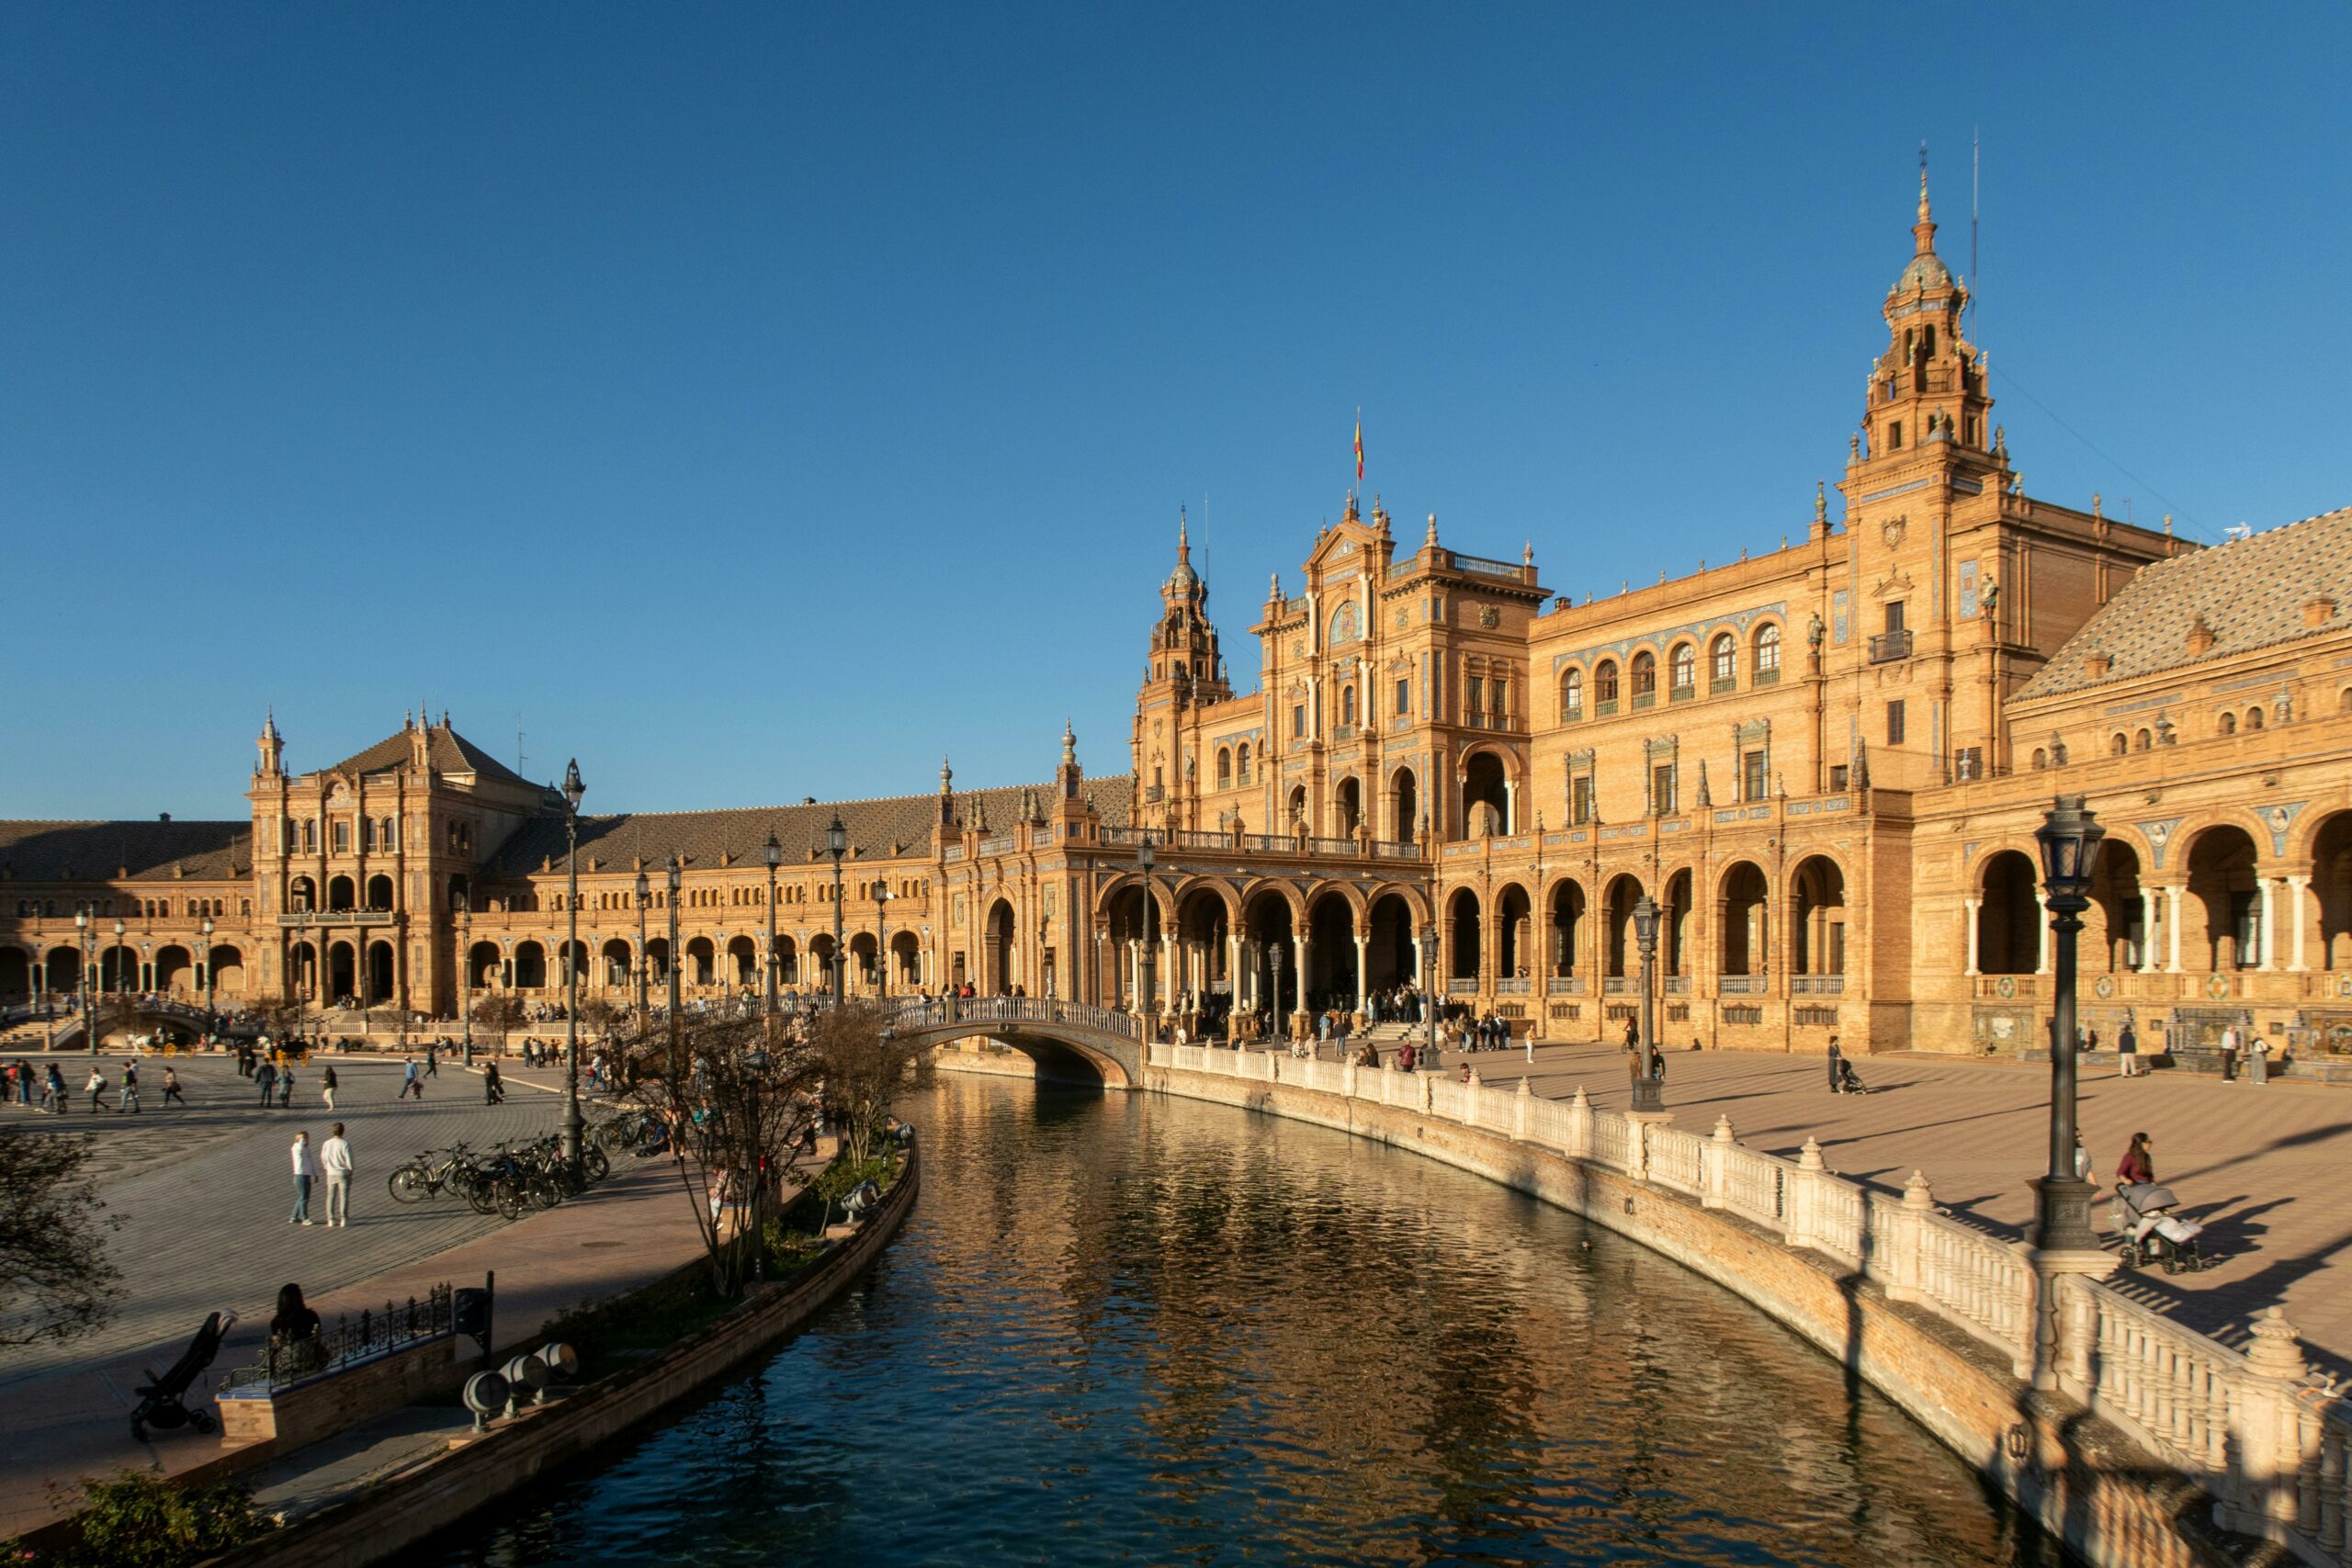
<point x="1001" y="952"/>
<point x="2114" y="925"/>
<point x="302" y="970"/>
<point x="2227" y="724"/>
<point x="301" y="895"/>
<point x="1645" y="679"/>
<point x="1566" y="919"/>
<point x="865" y="955"/>
<point x="744" y="962"/>
<point x="118" y="970"/>
<point x="1225" y="767"/>
<point x="1683" y="669"/>
<point x="61" y="971"/>
<point x="906" y="960"/>
<point x="1294" y="818"/>
<point x="2331" y="889"/>
<point x="460" y="893"/>
<point x="226" y="967"/>
<point x="1818" y="891"/>
<point x="380" y="984"/>
<point x="2221" y="917"/>
<point x="1622" y="955"/>
<point x="15" y="975"/>
<point x="342" y="971"/>
<point x="1330" y="980"/>
<point x="1605" y="687"/>
<point x="1514" y="934"/>
<point x="1768" y="654"/>
<point x="1348" y="804"/>
<point x="380" y="892"/>
<point x="340" y="894"/>
<point x="1723" y="663"/>
<point x="1463" y="936"/>
<point x="1406" y="811"/>
<point x="1674" y="925"/>
<point x="701" y="962"/>
<point x="2008" y="921"/>
<point x="481" y="966"/>
<point x="614" y="969"/>
<point x="1201" y="958"/>
<point x="1485" y="796"/>
<point x="1746" y="934"/>
<point x="1388" y="953"/>
<point x="1571" y="695"/>
<point x="1269" y="956"/>
<point x="787" y="961"/>
<point x="530" y="967"/>
<point x="175" y="969"/>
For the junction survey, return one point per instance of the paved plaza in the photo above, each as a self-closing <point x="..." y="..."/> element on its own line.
<point x="2261" y="1165"/>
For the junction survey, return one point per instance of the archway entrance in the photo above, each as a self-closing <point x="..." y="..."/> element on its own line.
<point x="1674" y="926"/>
<point x="1269" y="956"/>
<point x="1568" y="918"/>
<point x="999" y="951"/>
<point x="1513" y="935"/>
<point x="2331" y="886"/>
<point x="1621" y="955"/>
<point x="1331" y="952"/>
<point x="1405" y="810"/>
<point x="2222" y="899"/>
<point x="2008" y="934"/>
<point x="1485" y="796"/>
<point x="1819" y="929"/>
<point x="1348" y="806"/>
<point x="1388" y="954"/>
<point x="380" y="972"/>
<point x="1463" y="938"/>
<point x="1747" y="936"/>
<point x="343" y="978"/>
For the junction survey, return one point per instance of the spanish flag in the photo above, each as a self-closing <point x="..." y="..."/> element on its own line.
<point x="1359" y="447"/>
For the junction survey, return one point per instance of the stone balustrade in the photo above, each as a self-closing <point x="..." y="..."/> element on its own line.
<point x="2270" y="1444"/>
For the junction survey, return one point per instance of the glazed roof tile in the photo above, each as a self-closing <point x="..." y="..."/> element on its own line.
<point x="144" y="850"/>
<point x="2251" y="592"/>
<point x="448" y="751"/>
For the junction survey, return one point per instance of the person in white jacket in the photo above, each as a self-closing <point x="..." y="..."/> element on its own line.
<point x="306" y="1171"/>
<point x="335" y="1158"/>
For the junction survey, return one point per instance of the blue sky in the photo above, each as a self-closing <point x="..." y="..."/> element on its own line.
<point x="760" y="402"/>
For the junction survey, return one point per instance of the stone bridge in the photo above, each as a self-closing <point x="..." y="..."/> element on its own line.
<point x="1066" y="1040"/>
<point x="140" y="1015"/>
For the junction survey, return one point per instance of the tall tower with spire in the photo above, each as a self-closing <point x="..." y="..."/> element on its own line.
<point x="272" y="748"/>
<point x="1182" y="670"/>
<point x="1926" y="399"/>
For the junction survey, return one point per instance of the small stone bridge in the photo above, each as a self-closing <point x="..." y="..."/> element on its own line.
<point x="140" y="1015"/>
<point x="1066" y="1040"/>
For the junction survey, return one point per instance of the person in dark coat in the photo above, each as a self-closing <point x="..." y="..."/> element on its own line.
<point x="1837" y="1058"/>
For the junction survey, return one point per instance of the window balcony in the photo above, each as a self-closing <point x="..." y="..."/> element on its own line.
<point x="1722" y="684"/>
<point x="1605" y="709"/>
<point x="1681" y="693"/>
<point x="1817" y="985"/>
<point x="1645" y="699"/>
<point x="1766" y="677"/>
<point x="1888" y="647"/>
<point x="1742" y="985"/>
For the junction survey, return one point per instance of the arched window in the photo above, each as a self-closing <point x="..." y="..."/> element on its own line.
<point x="391" y="833"/>
<point x="1604" y="685"/>
<point x="2253" y="720"/>
<point x="1343" y="624"/>
<point x="367" y="832"/>
<point x="2040" y="759"/>
<point x="1723" y="660"/>
<point x="1644" y="676"/>
<point x="1685" y="667"/>
<point x="2142" y="740"/>
<point x="1347" y="705"/>
<point x="1572" y="696"/>
<point x="2227" y="724"/>
<point x="1223" y="768"/>
<point x="2119" y="746"/>
<point x="1241" y="762"/>
<point x="1768" y="652"/>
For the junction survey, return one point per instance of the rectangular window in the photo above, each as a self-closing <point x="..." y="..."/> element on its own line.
<point x="1894" y="724"/>
<point x="1751" y="775"/>
<point x="1405" y="696"/>
<point x="1894" y="615"/>
<point x="1298" y="721"/>
<point x="1662" y="789"/>
<point x="1502" y="698"/>
<point x="1580" y="800"/>
<point x="342" y="836"/>
<point x="1837" y="776"/>
<point x="1895" y="435"/>
<point x="1477" y="698"/>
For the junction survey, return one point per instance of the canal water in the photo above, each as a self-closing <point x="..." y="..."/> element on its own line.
<point x="1124" y="1328"/>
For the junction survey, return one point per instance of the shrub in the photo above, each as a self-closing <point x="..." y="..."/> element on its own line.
<point x="137" y="1520"/>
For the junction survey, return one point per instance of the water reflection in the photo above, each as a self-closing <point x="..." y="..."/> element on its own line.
<point x="1122" y="1329"/>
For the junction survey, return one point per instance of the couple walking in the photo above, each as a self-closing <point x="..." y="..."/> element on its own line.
<point x="331" y="1159"/>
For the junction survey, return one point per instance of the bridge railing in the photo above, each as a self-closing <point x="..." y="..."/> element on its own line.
<point x="2271" y="1443"/>
<point x="929" y="1012"/>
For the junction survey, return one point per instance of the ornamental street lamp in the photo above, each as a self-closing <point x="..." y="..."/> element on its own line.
<point x="670" y="958"/>
<point x="776" y="858"/>
<point x="1429" y="992"/>
<point x="466" y="978"/>
<point x="644" y="896"/>
<point x="89" y="1020"/>
<point x="1150" y="998"/>
<point x="207" y="929"/>
<point x="837" y="845"/>
<point x="121" y="970"/>
<point x="2069" y="837"/>
<point x="572" y="790"/>
<point x="881" y="940"/>
<point x="1647" y="1095"/>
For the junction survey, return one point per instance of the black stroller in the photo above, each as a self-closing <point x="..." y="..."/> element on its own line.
<point x="1848" y="1080"/>
<point x="2154" y="1234"/>
<point x="162" y="1402"/>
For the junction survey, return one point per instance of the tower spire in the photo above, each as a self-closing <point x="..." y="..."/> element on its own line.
<point x="1924" y="232"/>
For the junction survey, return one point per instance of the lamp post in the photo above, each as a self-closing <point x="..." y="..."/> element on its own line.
<point x="207" y="946"/>
<point x="644" y="896"/>
<point x="572" y="790"/>
<point x="776" y="858"/>
<point x="121" y="979"/>
<point x="1429" y="991"/>
<point x="1148" y="1001"/>
<point x="2069" y="837"/>
<point x="837" y="845"/>
<point x="89" y="1020"/>
<point x="881" y="941"/>
<point x="669" y="957"/>
<point x="1646" y="1088"/>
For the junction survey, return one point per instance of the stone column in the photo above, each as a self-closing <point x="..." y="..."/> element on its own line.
<point x="2270" y="923"/>
<point x="1511" y="805"/>
<point x="1363" y="988"/>
<point x="2041" y="923"/>
<point x="1971" y="907"/>
<point x="2296" y="919"/>
<point x="2172" y="929"/>
<point x="1421" y="961"/>
<point x="2147" y="930"/>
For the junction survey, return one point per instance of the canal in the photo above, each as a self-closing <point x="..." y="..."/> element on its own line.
<point x="1122" y="1329"/>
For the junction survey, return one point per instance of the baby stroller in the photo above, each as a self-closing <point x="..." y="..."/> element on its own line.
<point x="161" y="1400"/>
<point x="1848" y="1080"/>
<point x="2152" y="1233"/>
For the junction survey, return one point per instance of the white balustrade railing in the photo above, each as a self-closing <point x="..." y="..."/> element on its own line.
<point x="2272" y="1445"/>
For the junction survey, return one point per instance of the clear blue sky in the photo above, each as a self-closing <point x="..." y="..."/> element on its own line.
<point x="761" y="400"/>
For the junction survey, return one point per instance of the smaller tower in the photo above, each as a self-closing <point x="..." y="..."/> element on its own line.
<point x="272" y="748"/>
<point x="1067" y="777"/>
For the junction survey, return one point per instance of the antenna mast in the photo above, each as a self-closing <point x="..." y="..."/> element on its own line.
<point x="1975" y="183"/>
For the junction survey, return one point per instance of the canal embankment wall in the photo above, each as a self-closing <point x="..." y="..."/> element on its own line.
<point x="401" y="1510"/>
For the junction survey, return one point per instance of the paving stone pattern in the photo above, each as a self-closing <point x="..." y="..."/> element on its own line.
<point x="203" y="1195"/>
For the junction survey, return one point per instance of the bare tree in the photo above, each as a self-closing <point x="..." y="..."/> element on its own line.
<point x="55" y="1281"/>
<point x="499" y="1010"/>
<point x="738" y="1096"/>
<point x="865" y="1067"/>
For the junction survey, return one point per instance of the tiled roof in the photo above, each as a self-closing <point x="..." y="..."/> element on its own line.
<point x="895" y="827"/>
<point x="97" y="852"/>
<point x="448" y="751"/>
<point x="2251" y="593"/>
